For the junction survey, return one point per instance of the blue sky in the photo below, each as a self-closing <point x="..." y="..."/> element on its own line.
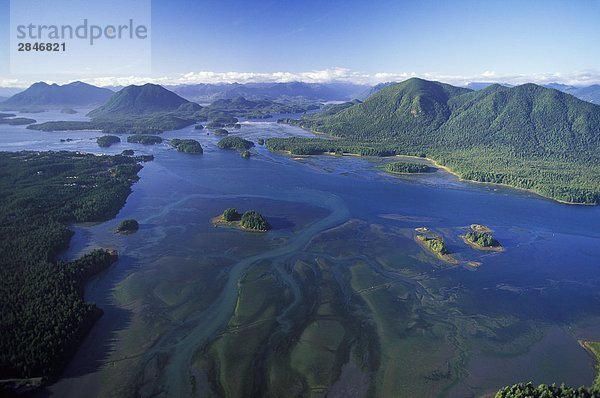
<point x="363" y="41"/>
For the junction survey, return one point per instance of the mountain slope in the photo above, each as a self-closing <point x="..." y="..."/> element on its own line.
<point x="142" y="100"/>
<point x="526" y="136"/>
<point x="76" y="94"/>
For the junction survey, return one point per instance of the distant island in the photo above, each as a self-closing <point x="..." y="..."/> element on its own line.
<point x="407" y="168"/>
<point x="107" y="140"/>
<point x="236" y="143"/>
<point x="11" y="120"/>
<point x="187" y="146"/>
<point x="145" y="139"/>
<point x="249" y="221"/>
<point x="68" y="111"/>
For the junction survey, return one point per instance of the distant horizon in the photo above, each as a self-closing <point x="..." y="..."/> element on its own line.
<point x="344" y="76"/>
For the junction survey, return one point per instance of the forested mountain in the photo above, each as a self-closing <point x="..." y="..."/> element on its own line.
<point x="526" y="136"/>
<point x="76" y="94"/>
<point x="141" y="100"/>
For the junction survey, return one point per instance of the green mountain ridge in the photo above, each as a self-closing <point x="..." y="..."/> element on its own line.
<point x="525" y="136"/>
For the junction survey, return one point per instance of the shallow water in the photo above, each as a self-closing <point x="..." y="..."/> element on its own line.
<point x="441" y="329"/>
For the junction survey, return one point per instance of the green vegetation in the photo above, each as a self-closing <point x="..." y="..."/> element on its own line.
<point x="231" y="214"/>
<point x="255" y="221"/>
<point x="405" y="167"/>
<point x="236" y="143"/>
<point x="261" y="141"/>
<point x="128" y="226"/>
<point x="526" y="136"/>
<point x="528" y="390"/>
<point x="482" y="239"/>
<point x="127" y="152"/>
<point x="107" y="140"/>
<point x="221" y="132"/>
<point x="43" y="316"/>
<point x="435" y="244"/>
<point x="245" y="154"/>
<point x="187" y="146"/>
<point x="145" y="139"/>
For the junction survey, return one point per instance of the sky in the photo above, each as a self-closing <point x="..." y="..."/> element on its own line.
<point x="209" y="41"/>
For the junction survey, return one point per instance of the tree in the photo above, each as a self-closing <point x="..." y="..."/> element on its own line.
<point x="231" y="214"/>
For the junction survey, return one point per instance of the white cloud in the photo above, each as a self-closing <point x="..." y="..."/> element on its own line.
<point x="336" y="74"/>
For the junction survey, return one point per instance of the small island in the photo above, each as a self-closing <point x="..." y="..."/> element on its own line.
<point x="435" y="245"/>
<point x="187" y="146"/>
<point x="250" y="221"/>
<point x="245" y="154"/>
<point x="107" y="140"/>
<point x="261" y="141"/>
<point x="128" y="226"/>
<point x="127" y="152"/>
<point x="407" y="168"/>
<point x="236" y="143"/>
<point x="480" y="238"/>
<point x="145" y="139"/>
<point x="220" y="132"/>
<point x="68" y="111"/>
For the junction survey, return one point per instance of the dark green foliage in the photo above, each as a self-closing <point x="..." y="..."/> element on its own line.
<point x="405" y="167"/>
<point x="482" y="239"/>
<point x="187" y="146"/>
<point x="127" y="152"/>
<point x="255" y="221"/>
<point x="43" y="316"/>
<point x="245" y="154"/>
<point x="528" y="390"/>
<point x="107" y="140"/>
<point x="145" y="139"/>
<point x="221" y="132"/>
<point x="236" y="143"/>
<point x="435" y="244"/>
<point x="231" y="214"/>
<point x="128" y="226"/>
<point x="526" y="136"/>
<point x="261" y="141"/>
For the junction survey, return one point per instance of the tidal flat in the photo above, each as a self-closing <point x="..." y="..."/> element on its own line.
<point x="337" y="296"/>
